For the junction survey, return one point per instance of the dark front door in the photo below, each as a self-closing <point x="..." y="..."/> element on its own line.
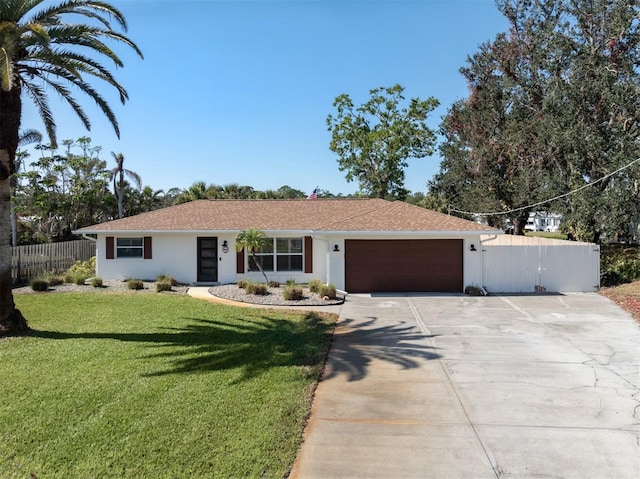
<point x="207" y="260"/>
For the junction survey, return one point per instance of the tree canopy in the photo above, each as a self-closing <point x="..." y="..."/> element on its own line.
<point x="375" y="140"/>
<point x="553" y="105"/>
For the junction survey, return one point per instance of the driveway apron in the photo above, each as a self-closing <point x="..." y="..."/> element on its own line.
<point x="426" y="386"/>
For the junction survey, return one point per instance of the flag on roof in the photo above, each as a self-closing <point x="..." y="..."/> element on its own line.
<point x="314" y="194"/>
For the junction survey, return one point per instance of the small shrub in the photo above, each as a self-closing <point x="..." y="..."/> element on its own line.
<point x="242" y="284"/>
<point x="39" y="284"/>
<point x="84" y="268"/>
<point x="69" y="278"/>
<point x="163" y="278"/>
<point x="314" y="285"/>
<point x="135" y="284"/>
<point x="55" y="280"/>
<point x="79" y="279"/>
<point x="274" y="284"/>
<point x="328" y="291"/>
<point x="619" y="265"/>
<point x="96" y="282"/>
<point x="163" y="286"/>
<point x="473" y="291"/>
<point x="291" y="283"/>
<point x="292" y="293"/>
<point x="259" y="289"/>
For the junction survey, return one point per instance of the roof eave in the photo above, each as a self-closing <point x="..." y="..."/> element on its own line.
<point x="302" y="231"/>
<point x="409" y="232"/>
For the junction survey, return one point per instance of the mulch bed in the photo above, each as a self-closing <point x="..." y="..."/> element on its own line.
<point x="626" y="299"/>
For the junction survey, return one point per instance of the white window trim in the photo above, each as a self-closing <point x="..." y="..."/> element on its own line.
<point x="275" y="255"/>
<point x="117" y="248"/>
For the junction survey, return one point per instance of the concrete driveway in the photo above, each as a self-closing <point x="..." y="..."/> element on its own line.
<point x="424" y="386"/>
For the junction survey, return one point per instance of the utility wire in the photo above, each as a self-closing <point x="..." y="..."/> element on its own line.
<point x="450" y="208"/>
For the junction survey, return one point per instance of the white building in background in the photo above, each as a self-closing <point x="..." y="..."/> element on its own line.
<point x="543" y="221"/>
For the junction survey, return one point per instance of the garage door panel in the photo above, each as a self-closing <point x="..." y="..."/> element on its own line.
<point x="403" y="265"/>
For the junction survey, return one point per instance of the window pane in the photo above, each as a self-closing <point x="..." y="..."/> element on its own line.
<point x="290" y="262"/>
<point x="296" y="245"/>
<point x="289" y="245"/>
<point x="267" y="248"/>
<point x="129" y="242"/>
<point x="282" y="245"/>
<point x="129" y="252"/>
<point x="266" y="262"/>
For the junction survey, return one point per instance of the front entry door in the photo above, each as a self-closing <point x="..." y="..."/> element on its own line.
<point x="207" y="260"/>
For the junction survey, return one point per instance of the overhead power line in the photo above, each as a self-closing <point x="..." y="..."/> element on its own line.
<point x="564" y="195"/>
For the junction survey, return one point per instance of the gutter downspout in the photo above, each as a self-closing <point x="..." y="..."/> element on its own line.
<point x="490" y="237"/>
<point x="84" y="235"/>
<point x="326" y="241"/>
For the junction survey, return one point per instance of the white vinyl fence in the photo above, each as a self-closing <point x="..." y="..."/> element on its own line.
<point x="520" y="264"/>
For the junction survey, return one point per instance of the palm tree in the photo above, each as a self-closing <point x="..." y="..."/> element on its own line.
<point x="197" y="191"/>
<point x="117" y="174"/>
<point x="41" y="49"/>
<point x="252" y="240"/>
<point x="150" y="199"/>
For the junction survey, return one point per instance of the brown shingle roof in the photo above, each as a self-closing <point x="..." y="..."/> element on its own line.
<point x="322" y="215"/>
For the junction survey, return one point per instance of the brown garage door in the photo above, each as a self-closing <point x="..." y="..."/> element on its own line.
<point x="403" y="265"/>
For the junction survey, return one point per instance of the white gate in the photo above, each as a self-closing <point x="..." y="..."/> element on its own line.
<point x="521" y="264"/>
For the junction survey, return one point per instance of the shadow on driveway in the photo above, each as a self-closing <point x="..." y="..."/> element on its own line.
<point x="357" y="344"/>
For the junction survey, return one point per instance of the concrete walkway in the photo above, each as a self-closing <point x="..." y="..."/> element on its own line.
<point x="464" y="387"/>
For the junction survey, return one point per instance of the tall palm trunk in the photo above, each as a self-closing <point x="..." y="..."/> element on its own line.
<point x="11" y="319"/>
<point x="117" y="188"/>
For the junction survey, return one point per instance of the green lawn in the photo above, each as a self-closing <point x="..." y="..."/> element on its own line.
<point x="547" y="234"/>
<point x="156" y="386"/>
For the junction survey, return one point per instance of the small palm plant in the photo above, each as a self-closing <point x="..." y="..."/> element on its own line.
<point x="252" y="240"/>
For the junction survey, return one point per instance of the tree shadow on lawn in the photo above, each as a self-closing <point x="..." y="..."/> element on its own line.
<point x="357" y="344"/>
<point x="255" y="347"/>
<point x="210" y="345"/>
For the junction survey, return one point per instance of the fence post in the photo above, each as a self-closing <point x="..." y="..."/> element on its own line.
<point x="18" y="277"/>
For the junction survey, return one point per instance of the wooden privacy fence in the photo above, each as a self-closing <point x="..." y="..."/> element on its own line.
<point x="31" y="261"/>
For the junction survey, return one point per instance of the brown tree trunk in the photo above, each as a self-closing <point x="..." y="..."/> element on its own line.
<point x="11" y="319"/>
<point x="519" y="222"/>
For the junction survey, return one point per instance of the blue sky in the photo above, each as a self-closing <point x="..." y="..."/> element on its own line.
<point x="239" y="91"/>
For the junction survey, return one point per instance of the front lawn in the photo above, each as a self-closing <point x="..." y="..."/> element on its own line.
<point x="155" y="386"/>
<point x="546" y="234"/>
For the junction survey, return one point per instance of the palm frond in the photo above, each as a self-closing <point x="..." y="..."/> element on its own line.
<point x="6" y="70"/>
<point x="28" y="137"/>
<point x="37" y="95"/>
<point x="39" y="33"/>
<point x="135" y="177"/>
<point x="51" y="45"/>
<point x="101" y="11"/>
<point x="76" y="64"/>
<point x="13" y="10"/>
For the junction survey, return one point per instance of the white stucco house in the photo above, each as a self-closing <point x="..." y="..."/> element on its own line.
<point x="359" y="245"/>
<point x="543" y="221"/>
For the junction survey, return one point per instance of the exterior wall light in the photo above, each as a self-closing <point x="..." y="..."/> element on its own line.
<point x="473" y="248"/>
<point x="225" y="247"/>
<point x="336" y="249"/>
